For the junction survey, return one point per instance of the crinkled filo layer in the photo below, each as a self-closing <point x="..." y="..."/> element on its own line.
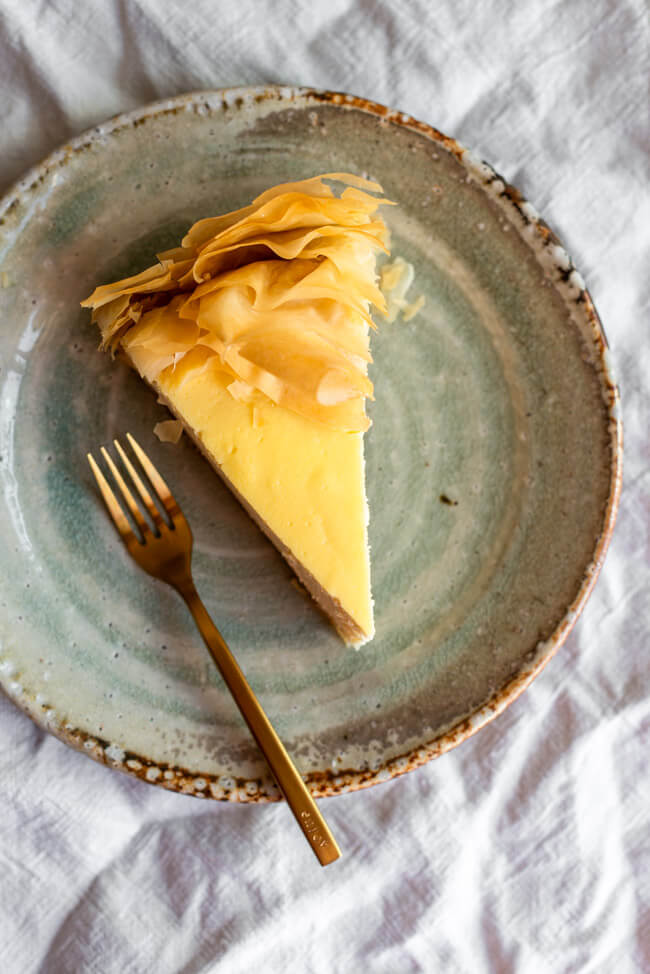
<point x="277" y="293"/>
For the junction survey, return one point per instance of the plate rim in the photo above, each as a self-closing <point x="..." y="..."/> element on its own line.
<point x="548" y="249"/>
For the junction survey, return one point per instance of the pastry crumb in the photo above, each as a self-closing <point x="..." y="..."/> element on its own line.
<point x="410" y="310"/>
<point x="169" y="430"/>
<point x="395" y="280"/>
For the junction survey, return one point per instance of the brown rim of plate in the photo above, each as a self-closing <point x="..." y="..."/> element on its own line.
<point x="543" y="242"/>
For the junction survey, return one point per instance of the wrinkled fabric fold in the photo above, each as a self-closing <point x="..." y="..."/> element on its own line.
<point x="525" y="850"/>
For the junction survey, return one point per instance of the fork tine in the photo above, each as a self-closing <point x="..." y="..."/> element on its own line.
<point x="126" y="493"/>
<point x="147" y="499"/>
<point x="111" y="502"/>
<point x="168" y="500"/>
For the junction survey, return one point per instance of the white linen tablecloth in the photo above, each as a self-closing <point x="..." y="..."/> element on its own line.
<point x="527" y="849"/>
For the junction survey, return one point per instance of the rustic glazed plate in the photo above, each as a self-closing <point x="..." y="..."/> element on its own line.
<point x="493" y="461"/>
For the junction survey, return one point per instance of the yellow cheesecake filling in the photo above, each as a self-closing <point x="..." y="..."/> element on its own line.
<point x="256" y="333"/>
<point x="305" y="481"/>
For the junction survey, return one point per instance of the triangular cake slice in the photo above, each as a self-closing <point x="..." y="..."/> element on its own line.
<point x="254" y="332"/>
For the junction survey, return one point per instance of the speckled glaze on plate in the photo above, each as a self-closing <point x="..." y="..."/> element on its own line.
<point x="493" y="462"/>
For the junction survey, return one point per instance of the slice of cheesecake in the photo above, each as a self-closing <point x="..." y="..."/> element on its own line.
<point x="255" y="333"/>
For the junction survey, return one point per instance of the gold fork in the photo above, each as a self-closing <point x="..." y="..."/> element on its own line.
<point x="166" y="553"/>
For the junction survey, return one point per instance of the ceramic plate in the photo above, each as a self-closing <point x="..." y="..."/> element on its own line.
<point x="493" y="462"/>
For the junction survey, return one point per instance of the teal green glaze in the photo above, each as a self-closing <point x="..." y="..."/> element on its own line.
<point x="69" y="218"/>
<point x="494" y="396"/>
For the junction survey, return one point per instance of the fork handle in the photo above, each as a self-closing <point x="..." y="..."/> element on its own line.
<point x="284" y="770"/>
